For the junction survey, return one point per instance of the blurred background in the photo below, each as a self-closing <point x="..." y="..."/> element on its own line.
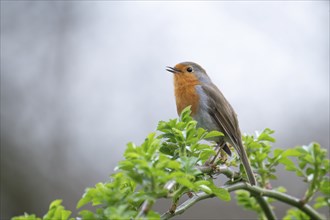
<point x="80" y="79"/>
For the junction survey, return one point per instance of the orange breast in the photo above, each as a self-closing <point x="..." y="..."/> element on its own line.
<point x="185" y="92"/>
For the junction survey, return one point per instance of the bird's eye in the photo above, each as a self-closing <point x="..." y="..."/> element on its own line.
<point x="189" y="69"/>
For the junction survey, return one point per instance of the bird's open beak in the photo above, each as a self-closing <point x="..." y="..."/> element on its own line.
<point x="172" y="69"/>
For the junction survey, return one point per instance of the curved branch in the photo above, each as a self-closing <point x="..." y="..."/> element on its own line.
<point x="234" y="175"/>
<point x="284" y="198"/>
<point x="254" y="190"/>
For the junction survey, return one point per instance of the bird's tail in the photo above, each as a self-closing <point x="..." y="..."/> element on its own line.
<point x="246" y="164"/>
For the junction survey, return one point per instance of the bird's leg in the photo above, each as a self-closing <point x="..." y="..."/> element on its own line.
<point x="217" y="148"/>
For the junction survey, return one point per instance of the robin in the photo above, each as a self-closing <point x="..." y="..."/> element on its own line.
<point x="193" y="87"/>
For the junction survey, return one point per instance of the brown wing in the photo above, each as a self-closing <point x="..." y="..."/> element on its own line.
<point x="223" y="115"/>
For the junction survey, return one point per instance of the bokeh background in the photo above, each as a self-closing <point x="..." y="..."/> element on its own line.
<point x="80" y="79"/>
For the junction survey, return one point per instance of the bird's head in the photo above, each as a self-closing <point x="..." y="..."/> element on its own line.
<point x="189" y="69"/>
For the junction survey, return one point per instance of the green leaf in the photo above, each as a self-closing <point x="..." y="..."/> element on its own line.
<point x="65" y="214"/>
<point x="212" y="134"/>
<point x="178" y="134"/>
<point x="185" y="182"/>
<point x="221" y="193"/>
<point x="176" y="174"/>
<point x="201" y="133"/>
<point x="278" y="152"/>
<point x="132" y="155"/>
<point x="310" y="171"/>
<point x="152" y="215"/>
<point x="84" y="200"/>
<point x="172" y="164"/>
<point x="325" y="186"/>
<point x="55" y="203"/>
<point x="26" y="217"/>
<point x="321" y="202"/>
<point x="265" y="135"/>
<point x="88" y="215"/>
<point x="302" y="164"/>
<point x="125" y="165"/>
<point x="168" y="149"/>
<point x="205" y="155"/>
<point x="281" y="189"/>
<point x="244" y="199"/>
<point x="295" y="214"/>
<point x="201" y="182"/>
<point x="188" y="165"/>
<point x="291" y="152"/>
<point x="289" y="164"/>
<point x="57" y="211"/>
<point x="185" y="114"/>
<point x="205" y="189"/>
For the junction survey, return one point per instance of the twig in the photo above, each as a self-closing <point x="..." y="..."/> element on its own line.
<point x="145" y="207"/>
<point x="187" y="204"/>
<point x="216" y="170"/>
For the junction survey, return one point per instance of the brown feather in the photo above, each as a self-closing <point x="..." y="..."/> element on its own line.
<point x="223" y="114"/>
<point x="225" y="117"/>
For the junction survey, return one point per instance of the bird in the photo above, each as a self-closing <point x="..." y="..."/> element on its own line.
<point x="209" y="107"/>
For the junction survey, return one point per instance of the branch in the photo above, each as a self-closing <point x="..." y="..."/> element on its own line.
<point x="265" y="207"/>
<point x="234" y="176"/>
<point x="216" y="170"/>
<point x="254" y="190"/>
<point x="284" y="198"/>
<point x="187" y="204"/>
